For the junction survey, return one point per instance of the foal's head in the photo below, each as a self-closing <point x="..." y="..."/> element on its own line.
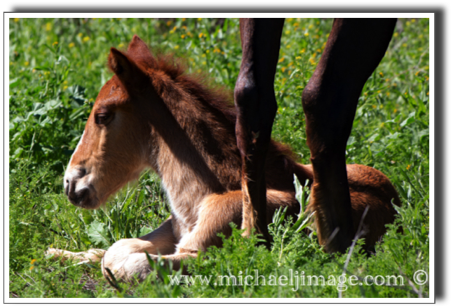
<point x="117" y="141"/>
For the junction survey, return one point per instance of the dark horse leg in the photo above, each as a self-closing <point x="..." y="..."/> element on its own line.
<point x="256" y="109"/>
<point x="353" y="51"/>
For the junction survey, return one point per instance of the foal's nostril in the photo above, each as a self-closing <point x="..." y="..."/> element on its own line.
<point x="77" y="188"/>
<point x="80" y="196"/>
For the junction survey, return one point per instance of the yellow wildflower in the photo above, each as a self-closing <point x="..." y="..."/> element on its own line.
<point x="86" y="39"/>
<point x="48" y="26"/>
<point x="71" y="45"/>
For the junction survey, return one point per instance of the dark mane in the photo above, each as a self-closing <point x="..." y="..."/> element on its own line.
<point x="176" y="70"/>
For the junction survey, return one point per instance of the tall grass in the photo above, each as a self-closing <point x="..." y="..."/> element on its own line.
<point x="57" y="67"/>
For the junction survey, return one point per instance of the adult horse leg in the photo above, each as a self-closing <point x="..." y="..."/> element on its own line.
<point x="353" y="50"/>
<point x="256" y="109"/>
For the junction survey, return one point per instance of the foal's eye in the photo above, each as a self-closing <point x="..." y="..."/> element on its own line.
<point x="103" y="118"/>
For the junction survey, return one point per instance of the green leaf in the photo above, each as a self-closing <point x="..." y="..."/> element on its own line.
<point x="76" y="114"/>
<point x="409" y="120"/>
<point x="77" y="95"/>
<point x="14" y="82"/>
<point x="98" y="234"/>
<point x="145" y="230"/>
<point x="52" y="104"/>
<point x="45" y="121"/>
<point x="127" y="202"/>
<point x="373" y="138"/>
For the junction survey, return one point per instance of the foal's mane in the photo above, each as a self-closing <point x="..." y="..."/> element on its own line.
<point x="170" y="72"/>
<point x="172" y="81"/>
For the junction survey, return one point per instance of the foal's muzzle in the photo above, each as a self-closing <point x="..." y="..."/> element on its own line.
<point x="79" y="192"/>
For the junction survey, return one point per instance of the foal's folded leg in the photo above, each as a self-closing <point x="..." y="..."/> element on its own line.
<point x="125" y="257"/>
<point x="215" y="214"/>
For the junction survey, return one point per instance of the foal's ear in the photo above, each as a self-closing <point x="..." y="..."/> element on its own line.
<point x="137" y="46"/>
<point x="126" y="69"/>
<point x="120" y="64"/>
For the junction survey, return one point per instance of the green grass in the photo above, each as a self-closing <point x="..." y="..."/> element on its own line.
<point x="56" y="70"/>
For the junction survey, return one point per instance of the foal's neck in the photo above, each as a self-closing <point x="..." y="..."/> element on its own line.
<point x="197" y="153"/>
<point x="183" y="169"/>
